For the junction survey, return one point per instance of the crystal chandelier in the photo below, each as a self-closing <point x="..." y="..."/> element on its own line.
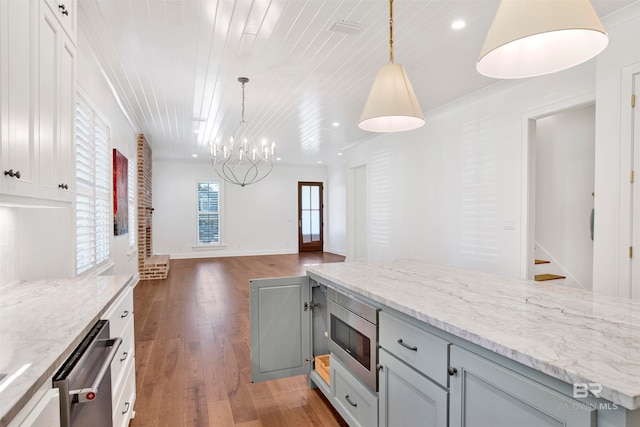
<point x="240" y="160"/>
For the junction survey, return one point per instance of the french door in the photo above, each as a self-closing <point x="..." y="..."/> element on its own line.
<point x="310" y="222"/>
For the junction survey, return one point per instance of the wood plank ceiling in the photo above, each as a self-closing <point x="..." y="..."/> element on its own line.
<point x="174" y="65"/>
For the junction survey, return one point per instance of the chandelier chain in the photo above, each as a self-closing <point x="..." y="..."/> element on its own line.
<point x="243" y="83"/>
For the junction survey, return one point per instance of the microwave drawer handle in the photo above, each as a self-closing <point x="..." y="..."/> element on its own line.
<point x="89" y="394"/>
<point x="407" y="346"/>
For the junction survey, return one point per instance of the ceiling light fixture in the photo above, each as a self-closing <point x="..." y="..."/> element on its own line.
<point x="536" y="37"/>
<point x="392" y="105"/>
<point x="240" y="160"/>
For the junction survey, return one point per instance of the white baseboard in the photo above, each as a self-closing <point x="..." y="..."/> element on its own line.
<point x="227" y="253"/>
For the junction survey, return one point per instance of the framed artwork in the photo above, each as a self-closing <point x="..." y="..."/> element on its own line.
<point x="120" y="196"/>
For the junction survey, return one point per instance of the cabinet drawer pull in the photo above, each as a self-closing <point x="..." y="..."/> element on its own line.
<point x="126" y="408"/>
<point x="407" y="346"/>
<point x="124" y="356"/>
<point x="63" y="9"/>
<point x="63" y="186"/>
<point x="355" y="405"/>
<point x="124" y="314"/>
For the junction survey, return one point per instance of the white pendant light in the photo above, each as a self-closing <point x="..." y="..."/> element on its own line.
<point x="534" y="37"/>
<point x="392" y="105"/>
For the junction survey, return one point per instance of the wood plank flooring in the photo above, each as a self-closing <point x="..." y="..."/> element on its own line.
<point x="192" y="349"/>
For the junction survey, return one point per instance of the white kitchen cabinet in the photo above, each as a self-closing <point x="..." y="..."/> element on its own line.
<point x="65" y="12"/>
<point x="37" y="107"/>
<point x="18" y="95"/>
<point x="123" y="382"/>
<point x="42" y="409"/>
<point x="46" y="413"/>
<point x="56" y="118"/>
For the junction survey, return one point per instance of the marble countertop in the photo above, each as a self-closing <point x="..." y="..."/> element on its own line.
<point x="569" y="334"/>
<point x="41" y="323"/>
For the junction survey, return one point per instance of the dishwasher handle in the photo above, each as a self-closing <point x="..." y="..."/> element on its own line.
<point x="89" y="394"/>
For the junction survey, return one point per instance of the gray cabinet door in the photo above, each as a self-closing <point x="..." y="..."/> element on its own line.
<point x="408" y="398"/>
<point x="280" y="327"/>
<point x="483" y="393"/>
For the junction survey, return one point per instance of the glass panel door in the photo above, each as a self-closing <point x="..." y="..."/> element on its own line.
<point x="310" y="224"/>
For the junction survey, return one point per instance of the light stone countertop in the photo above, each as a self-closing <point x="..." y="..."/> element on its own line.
<point x="41" y="323"/>
<point x="569" y="334"/>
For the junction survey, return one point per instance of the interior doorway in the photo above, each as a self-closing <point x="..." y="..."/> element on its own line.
<point x="357" y="208"/>
<point x="310" y="218"/>
<point x="561" y="193"/>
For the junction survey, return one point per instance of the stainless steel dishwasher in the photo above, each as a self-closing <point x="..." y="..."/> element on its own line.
<point x="84" y="380"/>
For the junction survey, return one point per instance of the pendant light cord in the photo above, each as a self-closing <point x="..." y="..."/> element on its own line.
<point x="391" y="31"/>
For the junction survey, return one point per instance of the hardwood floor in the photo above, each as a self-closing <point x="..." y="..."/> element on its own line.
<point x="192" y="349"/>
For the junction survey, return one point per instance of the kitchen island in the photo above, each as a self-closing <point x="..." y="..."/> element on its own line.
<point x="41" y="323"/>
<point x="569" y="335"/>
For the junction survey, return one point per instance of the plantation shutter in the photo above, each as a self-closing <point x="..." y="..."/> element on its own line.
<point x="92" y="188"/>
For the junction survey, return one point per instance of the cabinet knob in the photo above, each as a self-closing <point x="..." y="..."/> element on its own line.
<point x="12" y="174"/>
<point x="452" y="371"/>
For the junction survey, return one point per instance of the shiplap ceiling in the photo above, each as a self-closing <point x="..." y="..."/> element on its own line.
<point x="174" y="65"/>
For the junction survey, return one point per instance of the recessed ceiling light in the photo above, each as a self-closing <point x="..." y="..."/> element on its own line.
<point x="194" y="155"/>
<point x="197" y="131"/>
<point x="278" y="159"/>
<point x="339" y="154"/>
<point x="319" y="162"/>
<point x="335" y="124"/>
<point x="458" y="24"/>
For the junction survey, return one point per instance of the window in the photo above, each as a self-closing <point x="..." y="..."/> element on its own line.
<point x="208" y="212"/>
<point x="133" y="207"/>
<point x="92" y="188"/>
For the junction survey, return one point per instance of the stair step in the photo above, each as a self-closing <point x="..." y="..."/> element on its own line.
<point x="542" y="261"/>
<point x="545" y="277"/>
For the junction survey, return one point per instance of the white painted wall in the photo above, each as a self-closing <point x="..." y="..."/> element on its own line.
<point x="261" y="218"/>
<point x="123" y="137"/>
<point x="454" y="186"/>
<point x="458" y="185"/>
<point x="565" y="161"/>
<point x="613" y="148"/>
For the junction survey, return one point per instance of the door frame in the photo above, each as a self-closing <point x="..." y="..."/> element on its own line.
<point x="528" y="202"/>
<point x="629" y="200"/>
<point x="313" y="246"/>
